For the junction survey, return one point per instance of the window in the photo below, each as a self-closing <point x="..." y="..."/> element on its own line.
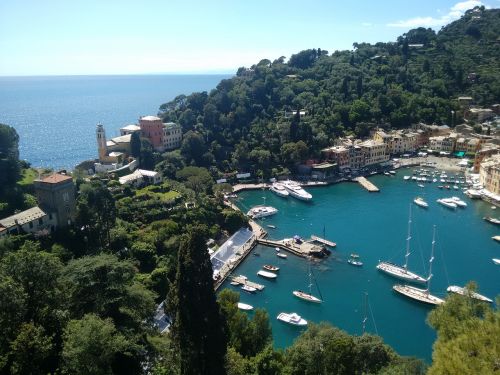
<point x="31" y="225"/>
<point x="40" y="221"/>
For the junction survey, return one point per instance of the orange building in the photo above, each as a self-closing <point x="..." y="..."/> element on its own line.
<point x="152" y="129"/>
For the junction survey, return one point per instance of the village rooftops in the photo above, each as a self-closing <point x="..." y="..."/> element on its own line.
<point x="22" y="217"/>
<point x="55" y="178"/>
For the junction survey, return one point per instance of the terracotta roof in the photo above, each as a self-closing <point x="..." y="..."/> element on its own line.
<point x="56" y="178"/>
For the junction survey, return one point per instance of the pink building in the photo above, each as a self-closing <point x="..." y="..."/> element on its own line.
<point x="152" y="129"/>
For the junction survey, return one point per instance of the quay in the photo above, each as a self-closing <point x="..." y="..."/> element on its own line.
<point x="367" y="184"/>
<point x="303" y="249"/>
<point x="243" y="281"/>
<point x="323" y="241"/>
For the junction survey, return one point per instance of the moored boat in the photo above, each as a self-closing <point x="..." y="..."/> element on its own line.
<point x="419" y="201"/>
<point x="447" y="203"/>
<point x="261" y="211"/>
<point x="306" y="296"/>
<point x="465" y="292"/>
<point x="281" y="255"/>
<point x="267" y="275"/>
<point x="422" y="295"/>
<point x="406" y="177"/>
<point x="270" y="267"/>
<point x="492" y="220"/>
<point x="292" y="318"/>
<point x="279" y="190"/>
<point x="458" y="202"/>
<point x="248" y="288"/>
<point x="496" y="238"/>
<point x="244" y="306"/>
<point x="296" y="190"/>
<point x="496" y="261"/>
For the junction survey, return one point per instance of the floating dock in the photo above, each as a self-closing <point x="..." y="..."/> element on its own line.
<point x="303" y="249"/>
<point x="323" y="241"/>
<point x="242" y="281"/>
<point x="367" y="184"/>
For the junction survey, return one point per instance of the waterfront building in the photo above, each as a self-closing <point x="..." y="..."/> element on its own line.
<point x="33" y="220"/>
<point x="373" y="152"/>
<point x="442" y="143"/>
<point x="479" y="114"/>
<point x="486" y="150"/>
<point x="489" y="174"/>
<point x="161" y="136"/>
<point x="398" y="141"/>
<point x="141" y="177"/>
<point x="56" y="195"/>
<point x="152" y="129"/>
<point x="172" y="136"/>
<point x="470" y="145"/>
<point x="338" y="155"/>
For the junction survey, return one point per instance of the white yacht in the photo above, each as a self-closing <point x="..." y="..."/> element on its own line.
<point x="496" y="261"/>
<point x="267" y="275"/>
<point x="279" y="190"/>
<point x="447" y="203"/>
<point x="419" y="201"/>
<point x="406" y="177"/>
<point x="296" y="190"/>
<point x="418" y="294"/>
<point x="465" y="292"/>
<point x="292" y="318"/>
<point x="261" y="211"/>
<point x="473" y="194"/>
<point x="244" y="306"/>
<point x="458" y="202"/>
<point x="248" y="288"/>
<point x="402" y="272"/>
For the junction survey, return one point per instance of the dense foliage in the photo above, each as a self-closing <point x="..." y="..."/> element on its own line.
<point x="251" y="122"/>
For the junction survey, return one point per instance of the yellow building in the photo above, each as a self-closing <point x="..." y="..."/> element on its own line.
<point x="489" y="174"/>
<point x="374" y="152"/>
<point x="398" y="141"/>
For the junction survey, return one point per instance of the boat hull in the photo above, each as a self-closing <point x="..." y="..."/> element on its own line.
<point x="306" y="297"/>
<point x="292" y="319"/>
<point x="417" y="294"/>
<point x="400" y="273"/>
<point x="464" y="292"/>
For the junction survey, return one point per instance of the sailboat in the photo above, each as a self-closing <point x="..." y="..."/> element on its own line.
<point x="422" y="295"/>
<point x="307" y="296"/>
<point x="402" y="272"/>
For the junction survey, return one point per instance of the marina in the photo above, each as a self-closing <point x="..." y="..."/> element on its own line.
<point x="374" y="226"/>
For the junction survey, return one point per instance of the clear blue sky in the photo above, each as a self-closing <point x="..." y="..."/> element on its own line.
<point x="47" y="37"/>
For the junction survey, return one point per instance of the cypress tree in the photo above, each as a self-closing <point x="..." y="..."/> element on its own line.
<point x="198" y="328"/>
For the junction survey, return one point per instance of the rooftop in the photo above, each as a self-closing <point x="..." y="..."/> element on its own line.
<point x="150" y="118"/>
<point x="23" y="217"/>
<point x="55" y="178"/>
<point x="122" y="139"/>
<point x="131" y="127"/>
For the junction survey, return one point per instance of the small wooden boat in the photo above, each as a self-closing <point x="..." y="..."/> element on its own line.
<point x="269" y="267"/>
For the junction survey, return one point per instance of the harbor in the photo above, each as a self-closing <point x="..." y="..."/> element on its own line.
<point x="367" y="184"/>
<point x="373" y="226"/>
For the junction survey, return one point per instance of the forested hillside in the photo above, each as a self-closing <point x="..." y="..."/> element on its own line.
<point x="247" y="122"/>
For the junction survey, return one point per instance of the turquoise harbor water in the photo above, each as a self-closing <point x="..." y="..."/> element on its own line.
<point x="56" y="117"/>
<point x="374" y="226"/>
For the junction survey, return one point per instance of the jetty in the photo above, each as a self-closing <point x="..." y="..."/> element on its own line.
<point x="302" y="249"/>
<point x="244" y="281"/>
<point x="367" y="184"/>
<point x="323" y="241"/>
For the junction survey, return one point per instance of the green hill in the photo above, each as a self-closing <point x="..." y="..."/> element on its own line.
<point x="247" y="122"/>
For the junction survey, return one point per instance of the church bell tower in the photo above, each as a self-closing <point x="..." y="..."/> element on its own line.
<point x="101" y="142"/>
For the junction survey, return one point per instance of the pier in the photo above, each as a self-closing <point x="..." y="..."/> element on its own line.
<point x="303" y="249"/>
<point x="243" y="281"/>
<point x="323" y="241"/>
<point x="367" y="184"/>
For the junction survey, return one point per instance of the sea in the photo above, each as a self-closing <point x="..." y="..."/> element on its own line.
<point x="56" y="116"/>
<point x="375" y="226"/>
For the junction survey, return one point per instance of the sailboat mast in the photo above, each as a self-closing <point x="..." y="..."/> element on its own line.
<point x="366" y="312"/>
<point x="408" y="238"/>
<point x="431" y="258"/>
<point x="310" y="277"/>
